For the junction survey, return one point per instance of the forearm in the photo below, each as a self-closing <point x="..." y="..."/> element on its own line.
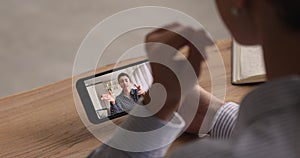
<point x="143" y="137"/>
<point x="105" y="151"/>
<point x="208" y="106"/>
<point x="119" y="145"/>
<point x="213" y="115"/>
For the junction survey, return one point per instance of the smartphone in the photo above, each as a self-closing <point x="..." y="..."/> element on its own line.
<point x="104" y="96"/>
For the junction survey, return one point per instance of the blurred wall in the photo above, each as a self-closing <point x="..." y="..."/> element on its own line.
<point x="39" y="38"/>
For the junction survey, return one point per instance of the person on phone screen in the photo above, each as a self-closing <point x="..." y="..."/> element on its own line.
<point x="127" y="98"/>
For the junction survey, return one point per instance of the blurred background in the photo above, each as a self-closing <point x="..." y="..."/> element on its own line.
<point x="39" y="38"/>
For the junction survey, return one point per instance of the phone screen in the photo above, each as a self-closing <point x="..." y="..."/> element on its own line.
<point x="116" y="91"/>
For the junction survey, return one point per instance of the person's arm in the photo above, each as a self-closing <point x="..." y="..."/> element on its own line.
<point x="224" y="122"/>
<point x="153" y="144"/>
<point x="115" y="108"/>
<point x="156" y="144"/>
<point x="213" y="116"/>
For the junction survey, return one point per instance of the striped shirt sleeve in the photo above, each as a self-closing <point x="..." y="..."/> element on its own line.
<point x="225" y="120"/>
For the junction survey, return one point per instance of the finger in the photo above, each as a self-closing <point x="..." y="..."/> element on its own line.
<point x="195" y="59"/>
<point x="164" y="28"/>
<point x="197" y="52"/>
<point x="200" y="41"/>
<point x="137" y="86"/>
<point x="152" y="35"/>
<point x="105" y="98"/>
<point x="174" y="37"/>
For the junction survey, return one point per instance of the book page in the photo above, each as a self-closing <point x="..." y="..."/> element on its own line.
<point x="252" y="62"/>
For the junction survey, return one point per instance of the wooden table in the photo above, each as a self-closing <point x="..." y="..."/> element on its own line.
<point x="44" y="122"/>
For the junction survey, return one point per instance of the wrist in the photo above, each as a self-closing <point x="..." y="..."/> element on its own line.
<point x="207" y="107"/>
<point x="168" y="109"/>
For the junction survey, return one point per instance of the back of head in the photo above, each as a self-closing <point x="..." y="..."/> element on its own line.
<point x="289" y="12"/>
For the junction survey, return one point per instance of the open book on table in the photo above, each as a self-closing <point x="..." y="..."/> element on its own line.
<point x="247" y="64"/>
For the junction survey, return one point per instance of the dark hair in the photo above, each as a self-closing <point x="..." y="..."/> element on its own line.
<point x="123" y="74"/>
<point x="288" y="11"/>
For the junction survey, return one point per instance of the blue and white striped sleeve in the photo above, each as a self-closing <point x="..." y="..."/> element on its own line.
<point x="225" y="120"/>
